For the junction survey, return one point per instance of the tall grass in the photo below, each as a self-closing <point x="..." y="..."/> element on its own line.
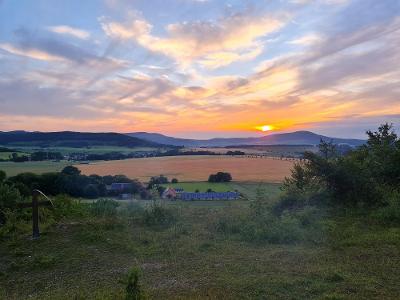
<point x="104" y="208"/>
<point x="157" y="214"/>
<point x="260" y="224"/>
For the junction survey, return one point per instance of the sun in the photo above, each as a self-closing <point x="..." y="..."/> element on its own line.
<point x="265" y="128"/>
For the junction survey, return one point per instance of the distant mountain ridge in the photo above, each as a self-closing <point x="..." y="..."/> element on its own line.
<point x="73" y="139"/>
<point x="156" y="140"/>
<point x="292" y="138"/>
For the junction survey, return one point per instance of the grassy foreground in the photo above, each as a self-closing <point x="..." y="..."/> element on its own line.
<point x="192" y="257"/>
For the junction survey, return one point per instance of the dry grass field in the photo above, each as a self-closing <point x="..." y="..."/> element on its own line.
<point x="195" y="168"/>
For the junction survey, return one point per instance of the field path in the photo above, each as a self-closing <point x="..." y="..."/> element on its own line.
<point x="194" y="168"/>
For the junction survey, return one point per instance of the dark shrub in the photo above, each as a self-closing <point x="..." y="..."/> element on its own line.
<point x="2" y="176"/>
<point x="91" y="191"/>
<point x="160" y="189"/>
<point x="145" y="194"/>
<point x="220" y="177"/>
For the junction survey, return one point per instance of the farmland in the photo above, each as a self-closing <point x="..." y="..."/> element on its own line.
<point x="86" y="150"/>
<point x="5" y="155"/>
<point x="195" y="168"/>
<point x="185" y="168"/>
<point x="269" y="150"/>
<point x="38" y="167"/>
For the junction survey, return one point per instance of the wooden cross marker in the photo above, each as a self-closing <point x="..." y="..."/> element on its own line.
<point x="35" y="210"/>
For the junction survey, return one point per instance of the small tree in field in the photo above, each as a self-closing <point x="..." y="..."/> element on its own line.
<point x="71" y="170"/>
<point x="220" y="177"/>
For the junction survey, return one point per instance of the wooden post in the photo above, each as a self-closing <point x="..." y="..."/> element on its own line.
<point x="35" y="215"/>
<point x="35" y="210"/>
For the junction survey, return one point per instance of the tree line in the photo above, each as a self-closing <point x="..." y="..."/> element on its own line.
<point x="367" y="176"/>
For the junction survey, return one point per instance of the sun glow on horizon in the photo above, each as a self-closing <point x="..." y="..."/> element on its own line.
<point x="265" y="128"/>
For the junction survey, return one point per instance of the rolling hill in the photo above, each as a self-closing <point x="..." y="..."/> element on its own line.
<point x="293" y="138"/>
<point x="72" y="139"/>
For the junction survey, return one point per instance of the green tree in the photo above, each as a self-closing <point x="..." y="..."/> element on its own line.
<point x="361" y="176"/>
<point x="71" y="170"/>
<point x="3" y="176"/>
<point x="327" y="149"/>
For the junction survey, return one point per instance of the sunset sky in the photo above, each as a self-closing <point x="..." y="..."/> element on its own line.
<point x="200" y="68"/>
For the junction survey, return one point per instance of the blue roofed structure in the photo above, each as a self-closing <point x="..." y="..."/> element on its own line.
<point x="120" y="186"/>
<point x="187" y="196"/>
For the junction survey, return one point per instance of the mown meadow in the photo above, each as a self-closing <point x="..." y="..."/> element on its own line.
<point x="215" y="250"/>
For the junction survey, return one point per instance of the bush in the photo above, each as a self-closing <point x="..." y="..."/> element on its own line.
<point x="91" y="191"/>
<point x="134" y="212"/>
<point x="156" y="180"/>
<point x="104" y="208"/>
<point x="161" y="189"/>
<point x="174" y="180"/>
<point x="145" y="194"/>
<point x="297" y="200"/>
<point x="133" y="288"/>
<point x="158" y="214"/>
<point x="220" y="177"/>
<point x="15" y="225"/>
<point x="23" y="189"/>
<point x="65" y="206"/>
<point x="9" y="197"/>
<point x="390" y="213"/>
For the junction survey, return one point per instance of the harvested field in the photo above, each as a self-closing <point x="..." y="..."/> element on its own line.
<point x="195" y="168"/>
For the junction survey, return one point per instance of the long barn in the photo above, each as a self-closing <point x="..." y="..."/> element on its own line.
<point x="208" y="196"/>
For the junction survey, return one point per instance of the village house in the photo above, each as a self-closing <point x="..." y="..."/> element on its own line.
<point x="169" y="193"/>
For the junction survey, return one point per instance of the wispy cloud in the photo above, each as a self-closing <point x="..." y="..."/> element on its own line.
<point x="68" y="30"/>
<point x="306" y="40"/>
<point x="215" y="43"/>
<point x="30" y="52"/>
